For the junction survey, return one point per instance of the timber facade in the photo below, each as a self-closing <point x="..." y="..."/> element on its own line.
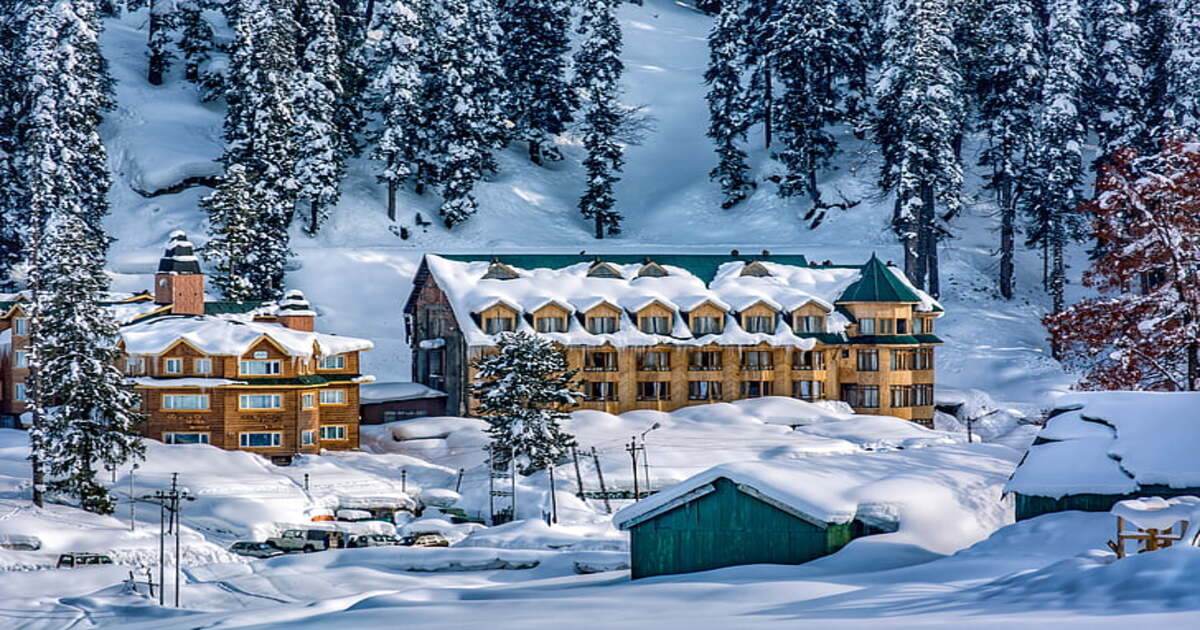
<point x="673" y="331"/>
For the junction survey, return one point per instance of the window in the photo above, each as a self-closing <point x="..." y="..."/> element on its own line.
<point x="706" y="325"/>
<point x="653" y="390"/>
<point x="333" y="396"/>
<point x="260" y="354"/>
<point x="902" y="360"/>
<point x="185" y="438"/>
<point x="335" y="362"/>
<point x="496" y="325"/>
<point x="655" y="325"/>
<point x="704" y="360"/>
<point x="901" y="326"/>
<point x="185" y="402"/>
<point x="260" y="401"/>
<point x="403" y="414"/>
<point x="922" y="395"/>
<point x="172" y="366"/>
<point x="866" y="326"/>
<point x="884" y="326"/>
<point x="333" y="432"/>
<point x="760" y="324"/>
<point x="868" y="360"/>
<point x="807" y="390"/>
<point x="902" y="395"/>
<point x="308" y="401"/>
<point x="602" y="391"/>
<point x="551" y="324"/>
<point x="756" y="389"/>
<point x="918" y="325"/>
<point x="654" y="361"/>
<point x="265" y="439"/>
<point x="704" y="390"/>
<point x="20" y="359"/>
<point x="810" y="324"/>
<point x="808" y="360"/>
<point x="308" y="438"/>
<point x="21" y="392"/>
<point x="861" y="396"/>
<point x="258" y="368"/>
<point x="757" y="360"/>
<point x="135" y="365"/>
<point x="202" y="366"/>
<point x="923" y="359"/>
<point x="21" y="326"/>
<point x="601" y="325"/>
<point x="600" y="362"/>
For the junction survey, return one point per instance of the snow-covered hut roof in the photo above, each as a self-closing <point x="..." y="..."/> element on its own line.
<point x="395" y="391"/>
<point x="694" y="280"/>
<point x="231" y="337"/>
<point x="1114" y="443"/>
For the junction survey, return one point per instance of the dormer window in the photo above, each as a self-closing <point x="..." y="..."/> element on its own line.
<point x="497" y="325"/>
<point x="500" y="271"/>
<point x="706" y="325"/>
<point x="810" y="324"/>
<point x="604" y="270"/>
<point x="21" y="326"/>
<point x="173" y="366"/>
<point x="602" y="325"/>
<point x="655" y="325"/>
<point x="259" y="368"/>
<point x="756" y="270"/>
<point x="759" y="324"/>
<point x="652" y="269"/>
<point x="551" y="324"/>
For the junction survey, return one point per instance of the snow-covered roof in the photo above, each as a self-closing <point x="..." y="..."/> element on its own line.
<point x="203" y="383"/>
<point x="1114" y="443"/>
<point x="231" y="337"/>
<point x="394" y="391"/>
<point x="840" y="488"/>
<point x="788" y="287"/>
<point x="1157" y="512"/>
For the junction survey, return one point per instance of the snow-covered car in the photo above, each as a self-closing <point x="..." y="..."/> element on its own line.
<point x="374" y="540"/>
<point x="430" y="539"/>
<point x="17" y="542"/>
<point x="306" y="540"/>
<point x="72" y="560"/>
<point x="255" y="549"/>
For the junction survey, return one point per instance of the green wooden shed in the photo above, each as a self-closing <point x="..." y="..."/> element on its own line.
<point x="732" y="515"/>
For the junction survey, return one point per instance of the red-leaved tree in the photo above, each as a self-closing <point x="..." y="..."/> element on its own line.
<point x="1143" y="331"/>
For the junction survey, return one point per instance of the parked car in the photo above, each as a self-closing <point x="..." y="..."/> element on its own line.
<point x="429" y="539"/>
<point x="72" y="560"/>
<point x="307" y="540"/>
<point x="255" y="549"/>
<point x="17" y="542"/>
<point x="374" y="540"/>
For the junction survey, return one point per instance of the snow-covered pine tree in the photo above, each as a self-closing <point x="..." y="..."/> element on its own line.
<point x="1182" y="93"/>
<point x="523" y="391"/>
<point x="808" y="42"/>
<point x="598" y="69"/>
<point x="728" y="112"/>
<point x="1055" y="167"/>
<point x="1153" y="18"/>
<point x="860" y="54"/>
<point x="259" y="130"/>
<point x="919" y="122"/>
<point x="533" y="53"/>
<point x="1118" y="81"/>
<point x="352" y="26"/>
<point x="231" y="251"/>
<point x="394" y="89"/>
<point x="196" y="41"/>
<point x="161" y="23"/>
<point x="1143" y="330"/>
<point x="320" y="157"/>
<point x="13" y="203"/>
<point x="1011" y="73"/>
<point x="758" y="19"/>
<point x="85" y="405"/>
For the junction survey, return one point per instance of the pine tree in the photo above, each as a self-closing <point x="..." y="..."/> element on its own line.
<point x="395" y="87"/>
<point x="320" y="156"/>
<point x="1143" y="330"/>
<point x="1056" y="162"/>
<point x="759" y="18"/>
<point x="196" y="38"/>
<point x="533" y="54"/>
<point x="1118" y="80"/>
<point x="728" y="112"/>
<point x="1182" y="93"/>
<point x="860" y="53"/>
<point x="352" y="26"/>
<point x="808" y="42"/>
<point x="162" y="21"/>
<point x="523" y="392"/>
<point x="598" y="69"/>
<point x="13" y="202"/>
<point x="918" y="127"/>
<point x="232" y="251"/>
<point x="1011" y="79"/>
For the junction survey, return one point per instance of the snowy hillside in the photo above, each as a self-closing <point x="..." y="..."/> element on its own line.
<point x="160" y="135"/>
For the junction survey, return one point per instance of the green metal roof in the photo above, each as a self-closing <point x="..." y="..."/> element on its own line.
<point x="230" y="307"/>
<point x="828" y="339"/>
<point x="703" y="266"/>
<point x="893" y="340"/>
<point x="307" y="379"/>
<point x="878" y="284"/>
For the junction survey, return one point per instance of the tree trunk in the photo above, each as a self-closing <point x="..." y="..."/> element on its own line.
<point x="1007" y="231"/>
<point x="155" y="72"/>
<point x="314" y="209"/>
<point x="1046" y="264"/>
<point x="767" y="107"/>
<point x="1058" y="281"/>
<point x="369" y="16"/>
<point x="927" y="264"/>
<point x="391" y="200"/>
<point x="813" y="192"/>
<point x="535" y="152"/>
<point x="1193" y="365"/>
<point x="599" y="225"/>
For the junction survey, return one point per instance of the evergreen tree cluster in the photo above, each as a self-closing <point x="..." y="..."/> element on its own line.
<point x="1024" y="81"/>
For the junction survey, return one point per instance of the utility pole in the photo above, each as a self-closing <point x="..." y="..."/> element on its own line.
<point x="404" y="480"/>
<point x="458" y="482"/>
<point x="632" y="448"/>
<point x="177" y="518"/>
<point x="132" y="503"/>
<point x="553" y="499"/>
<point x="306" y="482"/>
<point x="162" y="547"/>
<point x="600" y="474"/>
<point x="646" y="457"/>
<point x="578" y="475"/>
<point x="512" y="462"/>
<point x="170" y="500"/>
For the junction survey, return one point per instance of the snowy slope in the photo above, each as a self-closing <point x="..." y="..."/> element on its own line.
<point x="357" y="272"/>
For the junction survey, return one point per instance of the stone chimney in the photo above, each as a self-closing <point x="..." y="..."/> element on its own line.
<point x="179" y="281"/>
<point x="294" y="312"/>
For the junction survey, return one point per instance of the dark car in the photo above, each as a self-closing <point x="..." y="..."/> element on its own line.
<point x="374" y="540"/>
<point x="72" y="560"/>
<point x="255" y="549"/>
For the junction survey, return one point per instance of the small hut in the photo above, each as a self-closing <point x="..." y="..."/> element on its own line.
<point x="391" y="402"/>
